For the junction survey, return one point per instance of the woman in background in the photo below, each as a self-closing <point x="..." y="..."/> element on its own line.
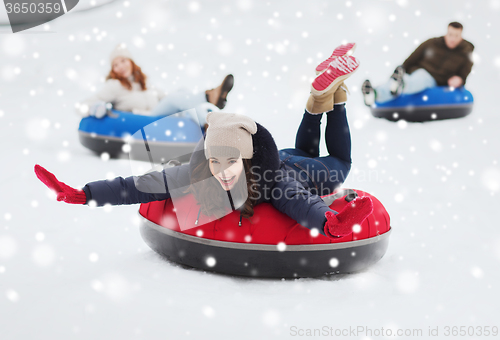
<point x="126" y="89"/>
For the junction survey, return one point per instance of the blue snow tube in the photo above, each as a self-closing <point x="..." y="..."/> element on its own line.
<point x="437" y="103"/>
<point x="149" y="138"/>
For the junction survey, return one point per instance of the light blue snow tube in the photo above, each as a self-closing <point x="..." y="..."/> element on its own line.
<point x="149" y="138"/>
<point x="437" y="103"/>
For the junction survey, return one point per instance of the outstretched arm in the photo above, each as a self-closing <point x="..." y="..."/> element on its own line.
<point x="119" y="191"/>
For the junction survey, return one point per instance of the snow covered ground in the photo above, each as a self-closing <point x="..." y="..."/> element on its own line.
<point x="71" y="272"/>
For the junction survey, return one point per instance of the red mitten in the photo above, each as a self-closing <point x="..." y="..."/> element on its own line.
<point x="64" y="192"/>
<point x="354" y="213"/>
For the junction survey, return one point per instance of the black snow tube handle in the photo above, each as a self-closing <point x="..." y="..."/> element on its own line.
<point x="348" y="193"/>
<point x="351" y="196"/>
<point x="173" y="162"/>
<point x="111" y="114"/>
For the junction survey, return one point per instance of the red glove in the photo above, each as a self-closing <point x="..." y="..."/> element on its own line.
<point x="354" y="213"/>
<point x="64" y="193"/>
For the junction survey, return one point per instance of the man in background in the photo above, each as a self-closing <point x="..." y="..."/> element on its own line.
<point x="442" y="61"/>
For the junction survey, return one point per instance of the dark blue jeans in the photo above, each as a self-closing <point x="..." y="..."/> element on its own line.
<point x="322" y="174"/>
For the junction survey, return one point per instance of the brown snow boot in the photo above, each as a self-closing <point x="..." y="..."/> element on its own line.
<point x="323" y="102"/>
<point x="340" y="96"/>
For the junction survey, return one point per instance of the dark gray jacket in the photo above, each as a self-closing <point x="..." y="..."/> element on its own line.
<point x="277" y="184"/>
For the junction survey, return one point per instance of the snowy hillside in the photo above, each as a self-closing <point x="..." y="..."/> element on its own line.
<point x="72" y="272"/>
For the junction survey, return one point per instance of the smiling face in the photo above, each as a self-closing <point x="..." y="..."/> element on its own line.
<point x="227" y="170"/>
<point x="122" y="66"/>
<point x="453" y="37"/>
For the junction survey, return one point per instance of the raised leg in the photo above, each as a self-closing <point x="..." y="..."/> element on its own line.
<point x="338" y="135"/>
<point x="178" y="101"/>
<point x="416" y="82"/>
<point x="309" y="134"/>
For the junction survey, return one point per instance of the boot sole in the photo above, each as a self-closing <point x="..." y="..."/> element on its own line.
<point x="338" y="80"/>
<point x="340" y="51"/>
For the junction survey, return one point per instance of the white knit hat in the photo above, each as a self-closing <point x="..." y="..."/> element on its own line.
<point x="229" y="134"/>
<point x="120" y="51"/>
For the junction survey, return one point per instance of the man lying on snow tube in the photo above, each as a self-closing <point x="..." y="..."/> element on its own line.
<point x="444" y="62"/>
<point x="437" y="103"/>
<point x="237" y="167"/>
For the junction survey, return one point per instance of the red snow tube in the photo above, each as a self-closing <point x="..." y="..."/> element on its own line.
<point x="270" y="244"/>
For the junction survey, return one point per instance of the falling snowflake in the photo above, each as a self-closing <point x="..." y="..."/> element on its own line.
<point x="93" y="257"/>
<point x="8" y="247"/>
<point x="44" y="255"/>
<point x="208" y="311"/>
<point x="399" y="198"/>
<point x="281" y="246"/>
<point x="435" y="145"/>
<point x="491" y="179"/>
<point x="12" y="295"/>
<point x="210" y="261"/>
<point x="408" y="282"/>
<point x="271" y="318"/>
<point x="477" y="272"/>
<point x="334" y="262"/>
<point x="314" y="232"/>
